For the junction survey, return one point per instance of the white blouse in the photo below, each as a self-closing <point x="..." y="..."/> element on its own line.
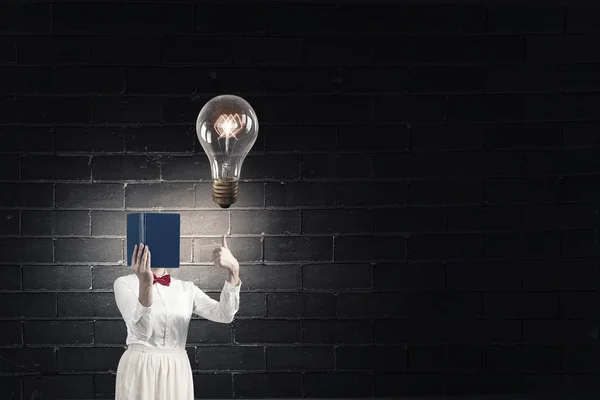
<point x="165" y="322"/>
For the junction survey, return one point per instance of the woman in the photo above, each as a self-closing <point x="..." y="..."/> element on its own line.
<point x="157" y="311"/>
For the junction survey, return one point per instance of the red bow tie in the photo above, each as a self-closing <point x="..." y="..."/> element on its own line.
<point x="163" y="280"/>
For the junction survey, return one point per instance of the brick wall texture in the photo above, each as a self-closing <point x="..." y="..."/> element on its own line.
<point x="418" y="215"/>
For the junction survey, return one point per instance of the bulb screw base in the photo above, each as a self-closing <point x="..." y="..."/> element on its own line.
<point x="224" y="192"/>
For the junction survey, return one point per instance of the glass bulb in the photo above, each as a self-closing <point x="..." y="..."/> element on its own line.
<point x="227" y="128"/>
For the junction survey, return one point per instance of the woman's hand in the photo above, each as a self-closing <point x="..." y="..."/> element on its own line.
<point x="141" y="265"/>
<point x="223" y="258"/>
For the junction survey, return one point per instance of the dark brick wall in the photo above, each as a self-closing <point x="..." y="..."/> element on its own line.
<point x="418" y="216"/>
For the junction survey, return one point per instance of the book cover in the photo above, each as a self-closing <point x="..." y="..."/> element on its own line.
<point x="160" y="232"/>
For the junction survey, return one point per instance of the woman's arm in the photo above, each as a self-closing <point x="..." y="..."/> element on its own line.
<point x="218" y="311"/>
<point x="137" y="316"/>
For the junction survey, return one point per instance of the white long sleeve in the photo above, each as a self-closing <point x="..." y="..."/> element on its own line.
<point x="137" y="317"/>
<point x="222" y="311"/>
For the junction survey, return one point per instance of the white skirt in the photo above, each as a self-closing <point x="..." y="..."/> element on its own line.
<point x="149" y="373"/>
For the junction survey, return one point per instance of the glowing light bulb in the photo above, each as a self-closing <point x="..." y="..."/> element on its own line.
<point x="227" y="128"/>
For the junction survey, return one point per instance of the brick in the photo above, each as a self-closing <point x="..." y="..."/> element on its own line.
<point x="178" y="50"/>
<point x="482" y="218"/>
<point x="483" y="332"/>
<point x="64" y="386"/>
<point x="581" y="243"/>
<point x="298" y="248"/>
<point x="520" y="305"/>
<point x="28" y="305"/>
<point x="122" y="110"/>
<point x="374" y="305"/>
<point x="20" y="80"/>
<point x="341" y="110"/>
<point x="582" y="19"/>
<point x="244" y="249"/>
<point x="559" y="332"/>
<point x="378" y="359"/>
<point x="184" y="109"/>
<point x="251" y="194"/>
<point x="203" y="222"/>
<point x="337" y="276"/>
<point x="552" y="384"/>
<point x="168" y="79"/>
<point x="11" y="333"/>
<point x="104" y="276"/>
<point x="300" y="305"/>
<point x="88" y="359"/>
<point x="125" y="50"/>
<point x="352" y="138"/>
<point x="265" y="222"/>
<point x="298" y="138"/>
<point x="203" y="331"/>
<point x="522" y="135"/>
<point x="110" y="332"/>
<point x="45" y="110"/>
<point x="30" y="139"/>
<point x="57" y="277"/>
<point x="11" y="387"/>
<point x="88" y="305"/>
<point x="26" y="195"/>
<point x="532" y="19"/>
<point x="52" y="49"/>
<point x="432" y="246"/>
<point x="578" y="77"/>
<point x="55" y="223"/>
<point x="271" y="277"/>
<point x="10" y="223"/>
<point x="345" y="50"/>
<point x="89" y="250"/>
<point x="169" y="139"/>
<point x="271" y="166"/>
<point x="521" y="190"/>
<point x="446" y="136"/>
<point x="8" y="45"/>
<point x="527" y="244"/>
<point x="559" y="216"/>
<point x="400" y="384"/>
<point x="58" y="332"/>
<point x="360" y="194"/>
<point x="484" y="108"/>
<point x="488" y="275"/>
<point x="523" y="79"/>
<point x="89" y="196"/>
<point x="338" y="384"/>
<point x="270" y="384"/>
<point x="561" y="274"/>
<point x="30" y="18"/>
<point x="414" y="275"/>
<point x="336" y="221"/>
<point x="455" y="79"/>
<point x="372" y="79"/>
<point x="564" y="106"/>
<point x="480" y="384"/>
<point x="461" y="358"/>
<point x="574" y="161"/>
<point x="246" y="358"/>
<point x="266" y="50"/>
<point x="159" y="195"/>
<point x="408" y="220"/>
<point x="415" y="108"/>
<point x="578" y="304"/>
<point x="408" y="331"/>
<point x="445" y="191"/>
<point x="108" y="223"/>
<point x="267" y="331"/>
<point x="86" y="79"/>
<point x="370" y="248"/>
<point x="580" y="358"/>
<point x="196" y="167"/>
<point x="299" y="194"/>
<point x="337" y="331"/>
<point x="426" y="358"/>
<point x="27" y="360"/>
<point x="562" y="48"/>
<point x="255" y="305"/>
<point x="300" y="358"/>
<point x="128" y="167"/>
<point x="26" y="250"/>
<point x="71" y="168"/>
<point x="79" y="18"/>
<point x="89" y="139"/>
<point x="104" y="385"/>
<point x="579" y="188"/>
<point x="213" y="385"/>
<point x="11" y="277"/>
<point x="325" y="166"/>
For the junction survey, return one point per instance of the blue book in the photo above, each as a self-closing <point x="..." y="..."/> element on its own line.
<point x="160" y="232"/>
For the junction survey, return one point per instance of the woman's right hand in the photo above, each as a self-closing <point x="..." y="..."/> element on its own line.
<point x="141" y="265"/>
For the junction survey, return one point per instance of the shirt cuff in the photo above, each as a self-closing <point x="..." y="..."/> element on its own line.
<point x="230" y="288"/>
<point x="141" y="311"/>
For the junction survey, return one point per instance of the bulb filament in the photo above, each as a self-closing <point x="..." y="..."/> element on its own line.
<point x="229" y="125"/>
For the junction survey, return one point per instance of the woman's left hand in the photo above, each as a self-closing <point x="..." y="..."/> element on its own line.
<point x="223" y="258"/>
